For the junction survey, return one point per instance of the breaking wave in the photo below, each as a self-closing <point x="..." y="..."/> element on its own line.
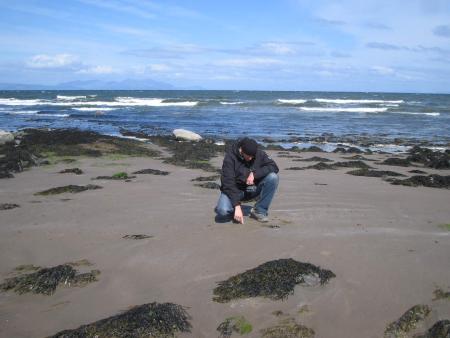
<point x="349" y="110"/>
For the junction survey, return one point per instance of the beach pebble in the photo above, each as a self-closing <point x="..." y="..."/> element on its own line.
<point x="183" y="134"/>
<point x="6" y="136"/>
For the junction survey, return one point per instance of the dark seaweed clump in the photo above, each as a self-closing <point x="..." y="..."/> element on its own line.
<point x="75" y="142"/>
<point x="14" y="158"/>
<point x="416" y="171"/>
<point x="193" y="155"/>
<point x="407" y="322"/>
<point x="46" y="280"/>
<point x="208" y="185"/>
<point x="152" y="172"/>
<point x="234" y="324"/>
<point x="118" y="177"/>
<point x="69" y="188"/>
<point x="314" y="159"/>
<point x="76" y="171"/>
<point x="395" y="161"/>
<point x="325" y="166"/>
<point x="206" y="178"/>
<point x="351" y="164"/>
<point x="147" y="320"/>
<point x="430" y="158"/>
<point x="139" y="236"/>
<point x="373" y="173"/>
<point x="440" y="329"/>
<point x="8" y="206"/>
<point x="274" y="279"/>
<point x="432" y="181"/>
<point x="288" y="329"/>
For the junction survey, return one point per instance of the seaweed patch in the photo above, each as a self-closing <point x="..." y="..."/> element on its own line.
<point x="274" y="279"/>
<point x="152" y="172"/>
<point x="46" y="280"/>
<point x="206" y="178"/>
<point x="440" y="329"/>
<point x="76" y="171"/>
<point x="288" y="328"/>
<point x="8" y="206"/>
<point x="407" y="322"/>
<point x="68" y="188"/>
<point x="374" y="173"/>
<point x="431" y="181"/>
<point x="147" y="320"/>
<point x="140" y="236"/>
<point x="234" y="324"/>
<point x="208" y="185"/>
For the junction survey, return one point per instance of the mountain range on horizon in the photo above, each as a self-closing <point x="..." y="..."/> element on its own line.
<point x="128" y="84"/>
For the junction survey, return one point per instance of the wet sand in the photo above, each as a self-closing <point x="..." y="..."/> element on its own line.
<point x="384" y="243"/>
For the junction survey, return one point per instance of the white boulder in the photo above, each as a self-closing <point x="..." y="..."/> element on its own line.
<point x="6" y="136"/>
<point x="183" y="134"/>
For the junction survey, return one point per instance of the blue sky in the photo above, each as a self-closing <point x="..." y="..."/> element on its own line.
<point x="347" y="45"/>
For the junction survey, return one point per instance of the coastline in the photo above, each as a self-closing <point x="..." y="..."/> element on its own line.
<point x="387" y="244"/>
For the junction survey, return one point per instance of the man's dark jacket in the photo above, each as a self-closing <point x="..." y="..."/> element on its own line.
<point x="235" y="171"/>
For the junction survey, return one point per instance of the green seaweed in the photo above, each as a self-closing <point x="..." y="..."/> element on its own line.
<point x="234" y="324"/>
<point x="274" y="279"/>
<point x="147" y="320"/>
<point x="68" y="188"/>
<point x="288" y="328"/>
<point x="45" y="280"/>
<point x="407" y="322"/>
<point x="445" y="226"/>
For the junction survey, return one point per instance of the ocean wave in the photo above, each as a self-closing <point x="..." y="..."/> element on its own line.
<point x="348" y="110"/>
<point x="70" y="98"/>
<point x="17" y="102"/>
<point x="231" y="103"/>
<point x="298" y="101"/>
<point x="349" y="101"/>
<point x="93" y="109"/>
<point x="53" y="115"/>
<point x="37" y="113"/>
<point x="132" y="101"/>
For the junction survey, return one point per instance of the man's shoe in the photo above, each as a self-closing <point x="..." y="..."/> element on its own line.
<point x="259" y="217"/>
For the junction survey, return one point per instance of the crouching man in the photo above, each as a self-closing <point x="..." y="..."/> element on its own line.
<point x="247" y="174"/>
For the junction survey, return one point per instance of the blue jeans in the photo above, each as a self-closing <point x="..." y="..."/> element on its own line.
<point x="265" y="190"/>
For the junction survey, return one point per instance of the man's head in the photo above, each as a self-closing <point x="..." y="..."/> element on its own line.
<point x="248" y="148"/>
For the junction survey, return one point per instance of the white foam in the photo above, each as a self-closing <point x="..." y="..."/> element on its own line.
<point x="414" y="113"/>
<point x="24" y="112"/>
<point x="132" y="101"/>
<point x="69" y="98"/>
<point x="94" y="109"/>
<point x="53" y="115"/>
<point x="389" y="104"/>
<point x="348" y="101"/>
<point x="16" y="102"/>
<point x="349" y="110"/>
<point x="298" y="101"/>
<point x="232" y="103"/>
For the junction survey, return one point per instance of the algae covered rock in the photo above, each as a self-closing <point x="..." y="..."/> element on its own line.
<point x="46" y="280"/>
<point x="69" y="188"/>
<point x="430" y="158"/>
<point x="407" y="322"/>
<point x="238" y="325"/>
<point x="147" y="320"/>
<point x="288" y="328"/>
<point x="274" y="279"/>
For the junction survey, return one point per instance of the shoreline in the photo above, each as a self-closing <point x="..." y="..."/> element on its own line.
<point x="379" y="239"/>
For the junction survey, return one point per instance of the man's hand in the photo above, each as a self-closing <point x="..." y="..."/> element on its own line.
<point x="250" y="179"/>
<point x="238" y="215"/>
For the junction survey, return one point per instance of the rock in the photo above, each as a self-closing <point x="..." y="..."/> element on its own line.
<point x="6" y="136"/>
<point x="407" y="322"/>
<point x="186" y="135"/>
<point x="440" y="329"/>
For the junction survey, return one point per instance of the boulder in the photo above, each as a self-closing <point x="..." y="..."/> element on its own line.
<point x="186" y="135"/>
<point x="6" y="136"/>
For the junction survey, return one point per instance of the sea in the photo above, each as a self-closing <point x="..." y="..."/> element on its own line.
<point x="278" y="115"/>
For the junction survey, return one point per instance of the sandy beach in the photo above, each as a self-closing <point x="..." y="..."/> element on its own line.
<point x="387" y="245"/>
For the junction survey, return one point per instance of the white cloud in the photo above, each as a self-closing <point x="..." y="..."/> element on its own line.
<point x="52" y="61"/>
<point x="97" y="70"/>
<point x="279" y="48"/>
<point x="382" y="70"/>
<point x="159" y="67"/>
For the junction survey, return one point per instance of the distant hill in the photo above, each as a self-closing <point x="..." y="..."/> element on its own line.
<point x="128" y="84"/>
